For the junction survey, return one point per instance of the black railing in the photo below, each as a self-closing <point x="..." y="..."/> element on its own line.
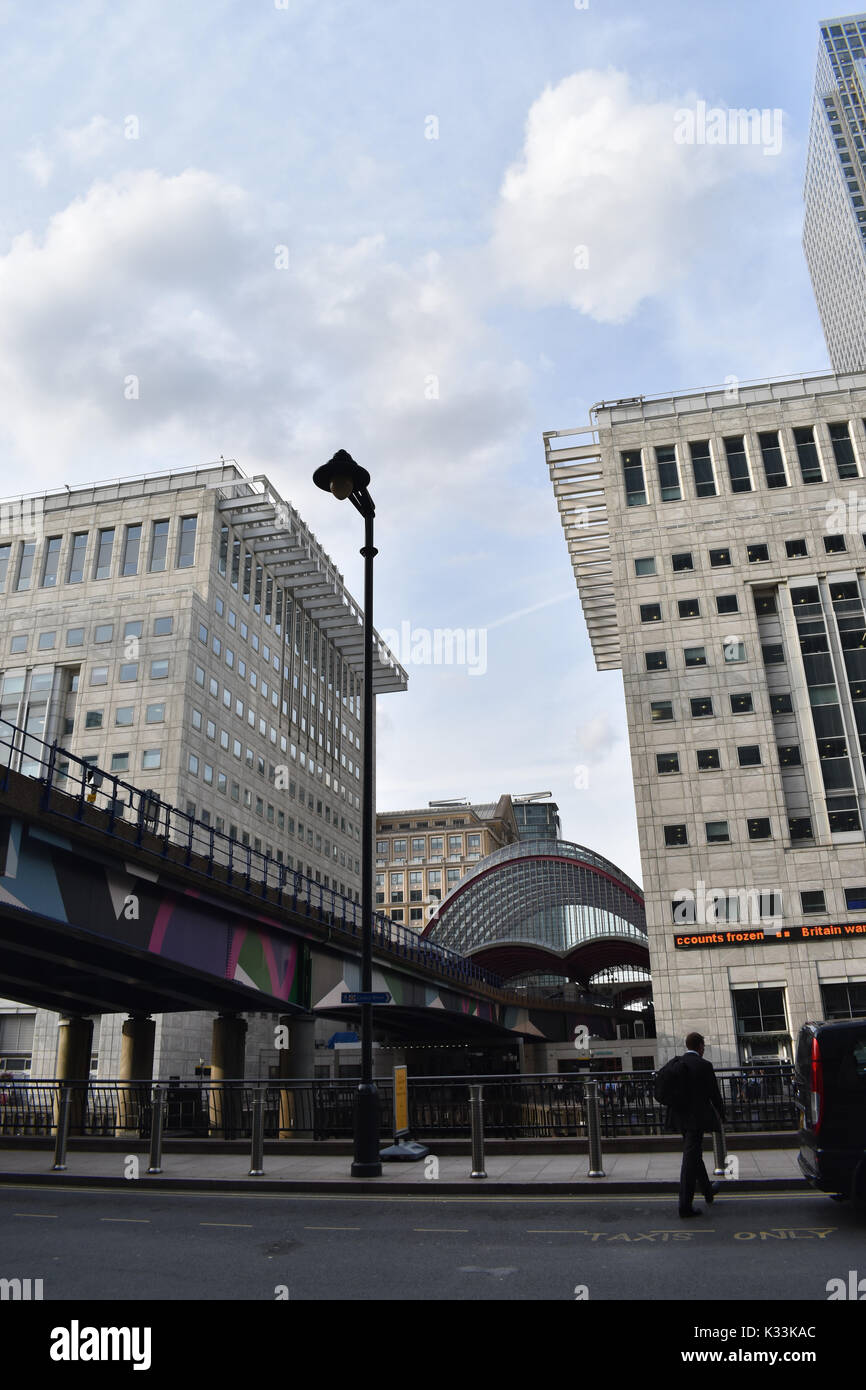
<point x="529" y="1107"/>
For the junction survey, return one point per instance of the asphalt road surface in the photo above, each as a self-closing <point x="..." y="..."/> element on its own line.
<point x="100" y="1245"/>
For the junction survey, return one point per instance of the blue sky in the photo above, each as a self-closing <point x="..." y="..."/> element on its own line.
<point x="240" y="205"/>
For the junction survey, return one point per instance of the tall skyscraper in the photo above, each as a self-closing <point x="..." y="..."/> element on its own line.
<point x="834" y="231"/>
<point x="718" y="539"/>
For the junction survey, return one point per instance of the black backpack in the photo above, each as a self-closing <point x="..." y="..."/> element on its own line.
<point x="671" y="1085"/>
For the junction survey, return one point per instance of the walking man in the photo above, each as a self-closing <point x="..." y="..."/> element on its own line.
<point x="700" y="1110"/>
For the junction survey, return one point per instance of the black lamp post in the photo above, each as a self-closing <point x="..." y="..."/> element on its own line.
<point x="342" y="476"/>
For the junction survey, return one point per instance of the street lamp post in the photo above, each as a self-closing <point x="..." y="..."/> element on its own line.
<point x="345" y="478"/>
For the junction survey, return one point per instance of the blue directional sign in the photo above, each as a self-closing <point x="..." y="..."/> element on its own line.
<point x="358" y="997"/>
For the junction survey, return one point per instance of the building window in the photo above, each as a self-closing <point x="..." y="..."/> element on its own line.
<point x="813" y="901"/>
<point x="749" y="755"/>
<point x="843" y="450"/>
<point x="795" y="549"/>
<point x="855" y="899"/>
<point x="675" y="835"/>
<point x="650" y="612"/>
<point x="5" y="552"/>
<point x="781" y="704"/>
<point x="759" y="828"/>
<point x="104" y="547"/>
<point x="834" y="545"/>
<point x="727" y="603"/>
<point x="807" y="454"/>
<point x="645" y="565"/>
<point x="708" y="760"/>
<point x="77" y="558"/>
<point x="154" y="714"/>
<point x="667" y="762"/>
<point x="741" y="704"/>
<point x="661" y="710"/>
<point x="701" y="708"/>
<point x="124" y="715"/>
<point x="844" y="1000"/>
<point x="771" y="454"/>
<point x="702" y="468"/>
<point x="765" y="603"/>
<point x="682" y="560"/>
<point x="75" y="637"/>
<point x="759" y="1011"/>
<point x="656" y="661"/>
<point x="789" y="755"/>
<point x="773" y="654"/>
<point x="635" y="486"/>
<point x="158" y="670"/>
<point x="129" y="671"/>
<point x="733" y="650"/>
<point x="669" y="477"/>
<point x="99" y="675"/>
<point x="689" y="608"/>
<point x="757" y="554"/>
<point x="151" y="759"/>
<point x="93" y="719"/>
<point x="131" y="545"/>
<point x="695" y="656"/>
<point x="18" y="644"/>
<point x="720" y="558"/>
<point x="717" y="832"/>
<point x="120" y="762"/>
<point x="158" y="547"/>
<point x="162" y="627"/>
<point x="738" y="465"/>
<point x="104" y="632"/>
<point x="25" y="566"/>
<point x="186" y="543"/>
<point x="47" y="641"/>
<point x="51" y="562"/>
<point x="800" y="828"/>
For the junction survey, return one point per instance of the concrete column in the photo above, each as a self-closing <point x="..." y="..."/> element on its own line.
<point x="138" y="1036"/>
<point x="74" y="1048"/>
<point x="296" y="1062"/>
<point x="227" y="1064"/>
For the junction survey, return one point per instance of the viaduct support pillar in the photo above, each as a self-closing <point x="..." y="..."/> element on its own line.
<point x="227" y="1074"/>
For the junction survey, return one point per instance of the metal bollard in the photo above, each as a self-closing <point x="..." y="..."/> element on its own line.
<point x="258" y="1150"/>
<point x="476" y="1112"/>
<point x="62" y="1130"/>
<point x="720" y="1153"/>
<point x="157" y="1122"/>
<point x="593" y="1130"/>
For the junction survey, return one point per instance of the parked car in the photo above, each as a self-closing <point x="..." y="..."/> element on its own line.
<point x="831" y="1097"/>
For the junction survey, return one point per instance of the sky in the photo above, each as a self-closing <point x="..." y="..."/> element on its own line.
<point x="425" y="233"/>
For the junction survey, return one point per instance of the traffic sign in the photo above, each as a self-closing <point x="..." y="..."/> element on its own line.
<point x="358" y="997"/>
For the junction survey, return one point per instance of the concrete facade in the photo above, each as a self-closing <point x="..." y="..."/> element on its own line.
<point x="195" y="640"/>
<point x="727" y="580"/>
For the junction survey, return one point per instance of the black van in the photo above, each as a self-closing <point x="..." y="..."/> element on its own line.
<point x="831" y="1096"/>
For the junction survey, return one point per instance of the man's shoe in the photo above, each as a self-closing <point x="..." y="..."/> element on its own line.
<point x="693" y="1211"/>
<point x="710" y="1196"/>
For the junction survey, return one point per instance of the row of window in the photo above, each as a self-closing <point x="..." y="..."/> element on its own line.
<point x="20" y="564"/>
<point x="683" y="561"/>
<point x="702" y="707"/>
<point x="102" y="633"/>
<point x="733" y="652"/>
<point x="707" y="456"/>
<point x="157" y="670"/>
<point x="755" y="904"/>
<point x="799" y="828"/>
<point x="420" y="850"/>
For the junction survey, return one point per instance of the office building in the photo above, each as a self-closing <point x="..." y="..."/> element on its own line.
<point x="834" y="231"/>
<point x="717" y="540"/>
<point x="188" y="633"/>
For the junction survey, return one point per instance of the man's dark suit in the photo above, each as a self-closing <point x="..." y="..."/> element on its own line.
<point x="703" y="1112"/>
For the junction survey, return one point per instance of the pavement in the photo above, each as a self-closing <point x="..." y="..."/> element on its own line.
<point x="764" y="1170"/>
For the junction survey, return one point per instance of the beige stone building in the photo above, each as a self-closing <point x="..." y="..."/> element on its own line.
<point x="717" y="539"/>
<point x="421" y="855"/>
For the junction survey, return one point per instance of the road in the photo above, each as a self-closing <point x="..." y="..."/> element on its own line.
<point x="105" y="1245"/>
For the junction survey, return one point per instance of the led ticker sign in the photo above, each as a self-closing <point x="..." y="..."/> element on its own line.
<point x="756" y="936"/>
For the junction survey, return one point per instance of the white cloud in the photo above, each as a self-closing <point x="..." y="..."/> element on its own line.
<point x="604" y="208"/>
<point x="88" y="141"/>
<point x="38" y="164"/>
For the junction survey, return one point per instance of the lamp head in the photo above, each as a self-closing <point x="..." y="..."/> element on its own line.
<point x="341" y="475"/>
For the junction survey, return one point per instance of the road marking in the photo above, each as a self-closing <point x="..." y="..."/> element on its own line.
<point x="443" y="1230"/>
<point x="36" y="1215"/>
<point x="235" y="1225"/>
<point x="332" y="1228"/>
<point x="128" y="1220"/>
